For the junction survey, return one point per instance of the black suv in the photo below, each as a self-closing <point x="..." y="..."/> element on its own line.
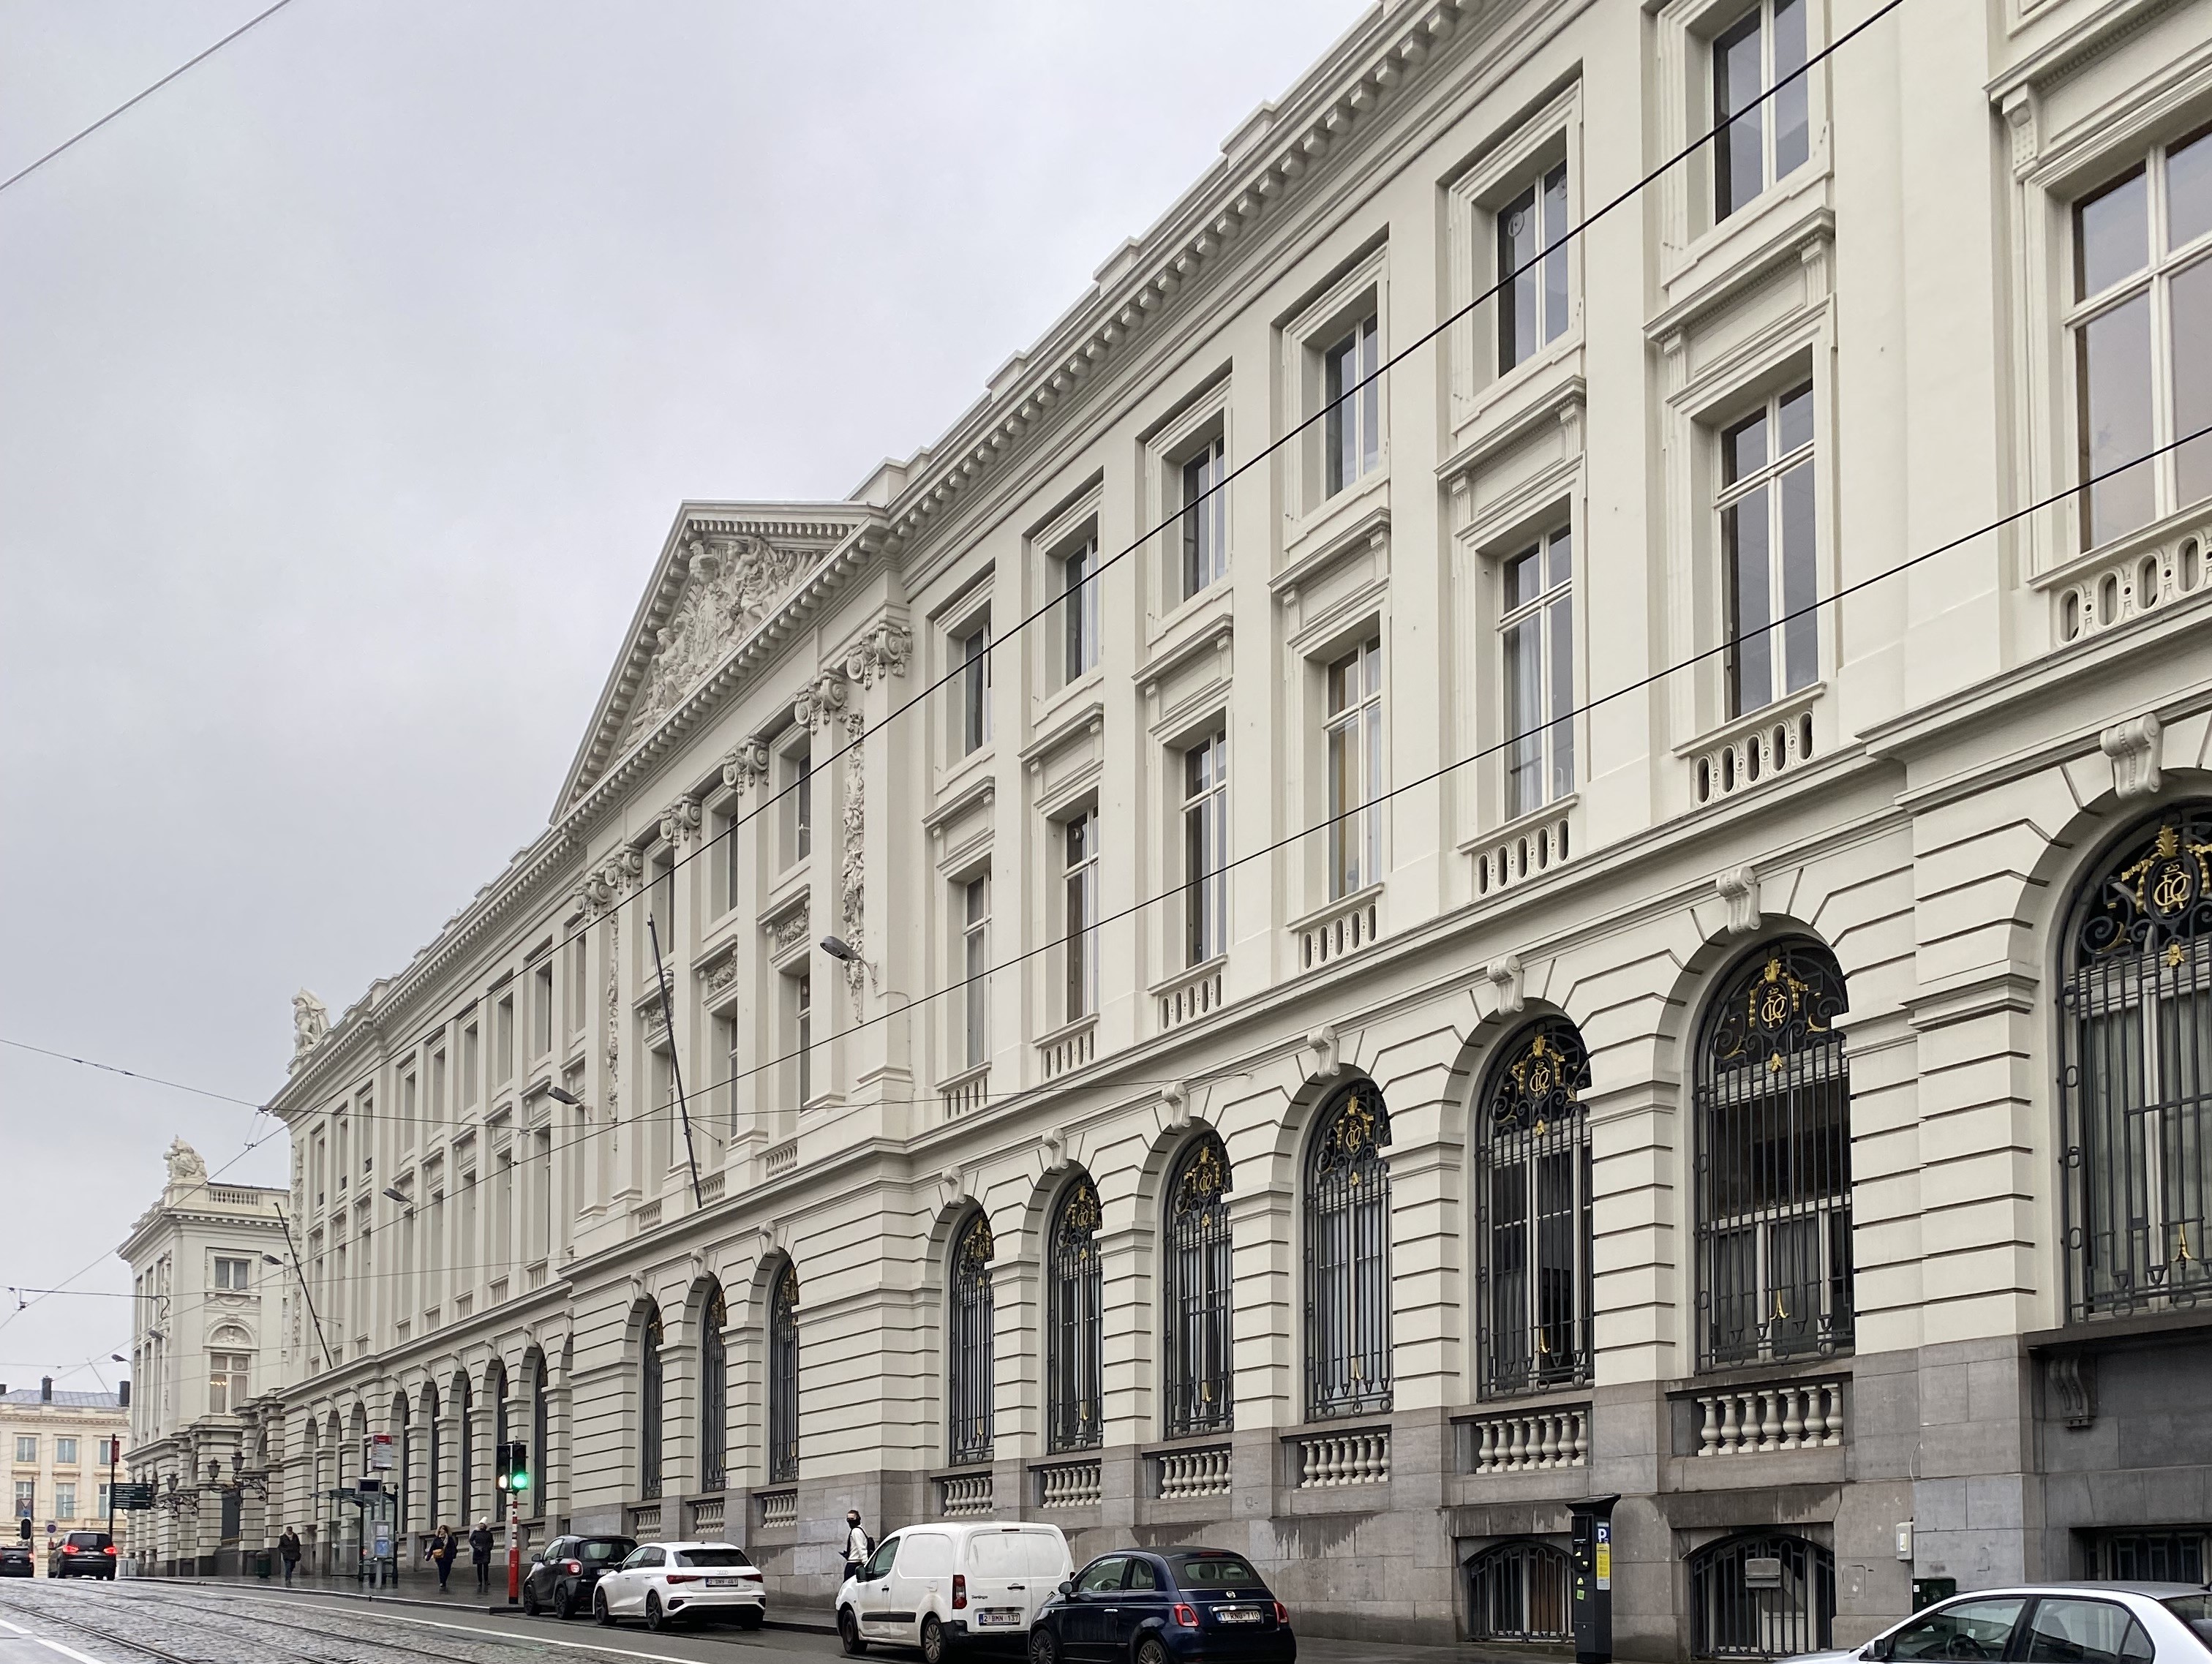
<point x="83" y="1554"/>
<point x="15" y="1559"/>
<point x="563" y="1573"/>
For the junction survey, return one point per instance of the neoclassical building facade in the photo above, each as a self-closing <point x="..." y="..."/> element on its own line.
<point x="1243" y="951"/>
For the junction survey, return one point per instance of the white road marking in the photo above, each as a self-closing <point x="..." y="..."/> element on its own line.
<point x="66" y="1652"/>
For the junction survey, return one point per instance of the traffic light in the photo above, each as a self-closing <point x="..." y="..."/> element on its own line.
<point x="511" y="1467"/>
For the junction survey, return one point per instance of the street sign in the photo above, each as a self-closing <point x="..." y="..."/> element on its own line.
<point x="134" y="1496"/>
<point x="1762" y="1572"/>
<point x="379" y="1451"/>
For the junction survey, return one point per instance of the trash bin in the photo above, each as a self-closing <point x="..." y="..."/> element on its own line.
<point x="261" y="1566"/>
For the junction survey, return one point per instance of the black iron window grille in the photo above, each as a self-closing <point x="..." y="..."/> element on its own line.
<point x="783" y="1377"/>
<point x="1531" y="1224"/>
<point x="1075" y="1320"/>
<point x="970" y="1342"/>
<point x="714" y="1396"/>
<point x="2147" y="1557"/>
<point x="1761" y="1597"/>
<point x="1198" y="1294"/>
<point x="1348" y="1227"/>
<point x="1773" y="1167"/>
<point x="2136" y="1078"/>
<point x="1519" y="1591"/>
<point x="650" y="1406"/>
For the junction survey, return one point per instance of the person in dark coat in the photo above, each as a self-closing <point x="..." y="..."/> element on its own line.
<point x="287" y="1550"/>
<point x="444" y="1545"/>
<point x="480" y="1554"/>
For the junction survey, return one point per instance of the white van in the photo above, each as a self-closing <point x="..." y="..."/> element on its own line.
<point x="935" y="1587"/>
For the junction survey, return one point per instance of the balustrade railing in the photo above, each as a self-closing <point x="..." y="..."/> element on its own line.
<point x="706" y="1516"/>
<point x="1195" y="994"/>
<point x="1526" y="1441"/>
<point x="1184" y="1473"/>
<point x="2152" y="571"/>
<point x="779" y="1508"/>
<point x="1330" y="1459"/>
<point x="965" y="1094"/>
<point x="645" y="1522"/>
<point x="1754" y="1420"/>
<point x="1071" y="1049"/>
<point x="1349" y="927"/>
<point x="964" y="1496"/>
<point x="780" y="1158"/>
<point x="1777" y="741"/>
<point x="1069" y="1485"/>
<point x="1531" y="849"/>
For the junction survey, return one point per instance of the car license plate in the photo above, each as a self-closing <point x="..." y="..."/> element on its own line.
<point x="997" y="1616"/>
<point x="723" y="1582"/>
<point x="1236" y="1614"/>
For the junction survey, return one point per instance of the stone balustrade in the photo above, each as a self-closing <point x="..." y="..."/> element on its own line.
<point x="1330" y="1459"/>
<point x="1069" y="1485"/>
<point x="964" y="1495"/>
<point x="1756" y="1419"/>
<point x="1185" y="1474"/>
<point x="779" y="1508"/>
<point x="706" y="1516"/>
<point x="1528" y="1440"/>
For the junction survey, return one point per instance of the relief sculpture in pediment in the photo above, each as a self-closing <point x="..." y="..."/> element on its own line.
<point x="734" y="581"/>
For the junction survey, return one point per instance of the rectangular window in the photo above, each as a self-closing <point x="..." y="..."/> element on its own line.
<point x="1079" y="887"/>
<point x="1204" y="518"/>
<point x="1079" y="610"/>
<point x="438" y="1085"/>
<point x="1755" y="143"/>
<point x="2141" y="324"/>
<point x="975" y="686"/>
<point x="733" y="871"/>
<point x="65" y="1452"/>
<point x="407" y="1108"/>
<point x="1766" y="545"/>
<point x="503" y="1035"/>
<point x="344" y="1168"/>
<point x="227" y="1382"/>
<point x="1536" y="623"/>
<point x="233" y="1273"/>
<point x="1352" y="431"/>
<point x="26" y="1493"/>
<point x="799" y="776"/>
<point x="65" y="1500"/>
<point x="541" y="1009"/>
<point x="975" y="967"/>
<point x="1355" y="769"/>
<point x="1205" y="849"/>
<point x="1532" y="269"/>
<point x="472" y="1065"/>
<point x="660" y="909"/>
<point x="802" y="1032"/>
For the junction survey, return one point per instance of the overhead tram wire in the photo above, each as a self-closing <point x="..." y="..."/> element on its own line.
<point x="1619" y="200"/>
<point x="139" y="98"/>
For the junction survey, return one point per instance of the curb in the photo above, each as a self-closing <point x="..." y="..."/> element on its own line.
<point x="801" y="1625"/>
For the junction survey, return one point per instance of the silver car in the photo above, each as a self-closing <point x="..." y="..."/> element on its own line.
<point x="2052" y="1624"/>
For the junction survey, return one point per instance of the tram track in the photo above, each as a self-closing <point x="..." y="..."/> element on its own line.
<point x="147" y="1649"/>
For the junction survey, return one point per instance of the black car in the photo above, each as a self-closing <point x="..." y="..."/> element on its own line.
<point x="1194" y="1604"/>
<point x="83" y="1554"/>
<point x="15" y="1560"/>
<point x="563" y="1573"/>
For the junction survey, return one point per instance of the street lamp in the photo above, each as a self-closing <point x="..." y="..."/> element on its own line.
<point x="569" y="1098"/>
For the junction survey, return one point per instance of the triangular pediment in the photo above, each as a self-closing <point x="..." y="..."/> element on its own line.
<point x="726" y="573"/>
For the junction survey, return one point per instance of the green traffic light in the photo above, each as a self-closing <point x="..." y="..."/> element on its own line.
<point x="522" y="1481"/>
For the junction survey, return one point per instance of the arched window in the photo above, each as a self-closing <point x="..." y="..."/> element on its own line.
<point x="1532" y="1226"/>
<point x="649" y="1343"/>
<point x="1518" y="1591"/>
<point x="1773" y="1097"/>
<point x="1730" y="1618"/>
<point x="713" y="1395"/>
<point x="1348" y="1257"/>
<point x="1197" y="1296"/>
<point x="968" y="1334"/>
<point x="2136" y="1004"/>
<point x="1074" y="1320"/>
<point x="783" y="1377"/>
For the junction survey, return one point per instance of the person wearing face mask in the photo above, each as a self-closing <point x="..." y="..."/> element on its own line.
<point x="859" y="1546"/>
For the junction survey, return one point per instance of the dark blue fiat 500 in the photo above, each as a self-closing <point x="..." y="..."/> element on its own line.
<point x="1194" y="1604"/>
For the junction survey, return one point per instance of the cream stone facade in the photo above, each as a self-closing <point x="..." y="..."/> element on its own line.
<point x="1400" y="1002"/>
<point x="56" y="1442"/>
<point x="207" y="1263"/>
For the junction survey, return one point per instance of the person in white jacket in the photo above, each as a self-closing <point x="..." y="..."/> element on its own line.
<point x="859" y="1546"/>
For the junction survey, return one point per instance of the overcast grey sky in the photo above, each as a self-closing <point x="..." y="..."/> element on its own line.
<point x="348" y="387"/>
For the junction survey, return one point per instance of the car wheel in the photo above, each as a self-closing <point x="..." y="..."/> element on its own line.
<point x="529" y="1607"/>
<point x="848" y="1631"/>
<point x="599" y="1609"/>
<point x="655" y="1620"/>
<point x="934" y="1648"/>
<point x="564" y="1603"/>
<point x="752" y="1617"/>
<point x="1149" y="1650"/>
<point x="1044" y="1647"/>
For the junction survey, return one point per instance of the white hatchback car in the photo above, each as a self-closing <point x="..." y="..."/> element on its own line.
<point x="2051" y="1624"/>
<point x="670" y="1583"/>
<point x="936" y="1586"/>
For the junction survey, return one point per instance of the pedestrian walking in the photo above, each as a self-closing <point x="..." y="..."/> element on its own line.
<point x="859" y="1546"/>
<point x="480" y="1554"/>
<point x="443" y="1547"/>
<point x="287" y="1550"/>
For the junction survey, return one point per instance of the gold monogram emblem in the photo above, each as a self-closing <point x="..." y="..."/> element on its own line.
<point x="1774" y="1009"/>
<point x="2169" y="890"/>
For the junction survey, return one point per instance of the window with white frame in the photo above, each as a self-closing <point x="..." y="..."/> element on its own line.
<point x="729" y="869"/>
<point x="729" y="1035"/>
<point x="410" y="1106"/>
<point x="541" y="1008"/>
<point x="1077" y="575"/>
<point x="800" y="999"/>
<point x="1205" y="497"/>
<point x="1351" y="429"/>
<point x="228" y="1377"/>
<point x="1765" y="505"/>
<point x="26" y="1447"/>
<point x="233" y="1274"/>
<point x="1757" y="144"/>
<point x="1080" y="894"/>
<point x="975" y="970"/>
<point x="799" y="802"/>
<point x="65" y="1452"/>
<point x="2141" y="324"/>
<point x="1532" y="269"/>
<point x="1205" y="849"/>
<point x="65" y="1500"/>
<point x="1536" y="632"/>
<point x="1354" y="735"/>
<point x="972" y="716"/>
<point x="503" y="1033"/>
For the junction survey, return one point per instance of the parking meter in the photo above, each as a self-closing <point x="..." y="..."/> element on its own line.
<point x="1592" y="1590"/>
